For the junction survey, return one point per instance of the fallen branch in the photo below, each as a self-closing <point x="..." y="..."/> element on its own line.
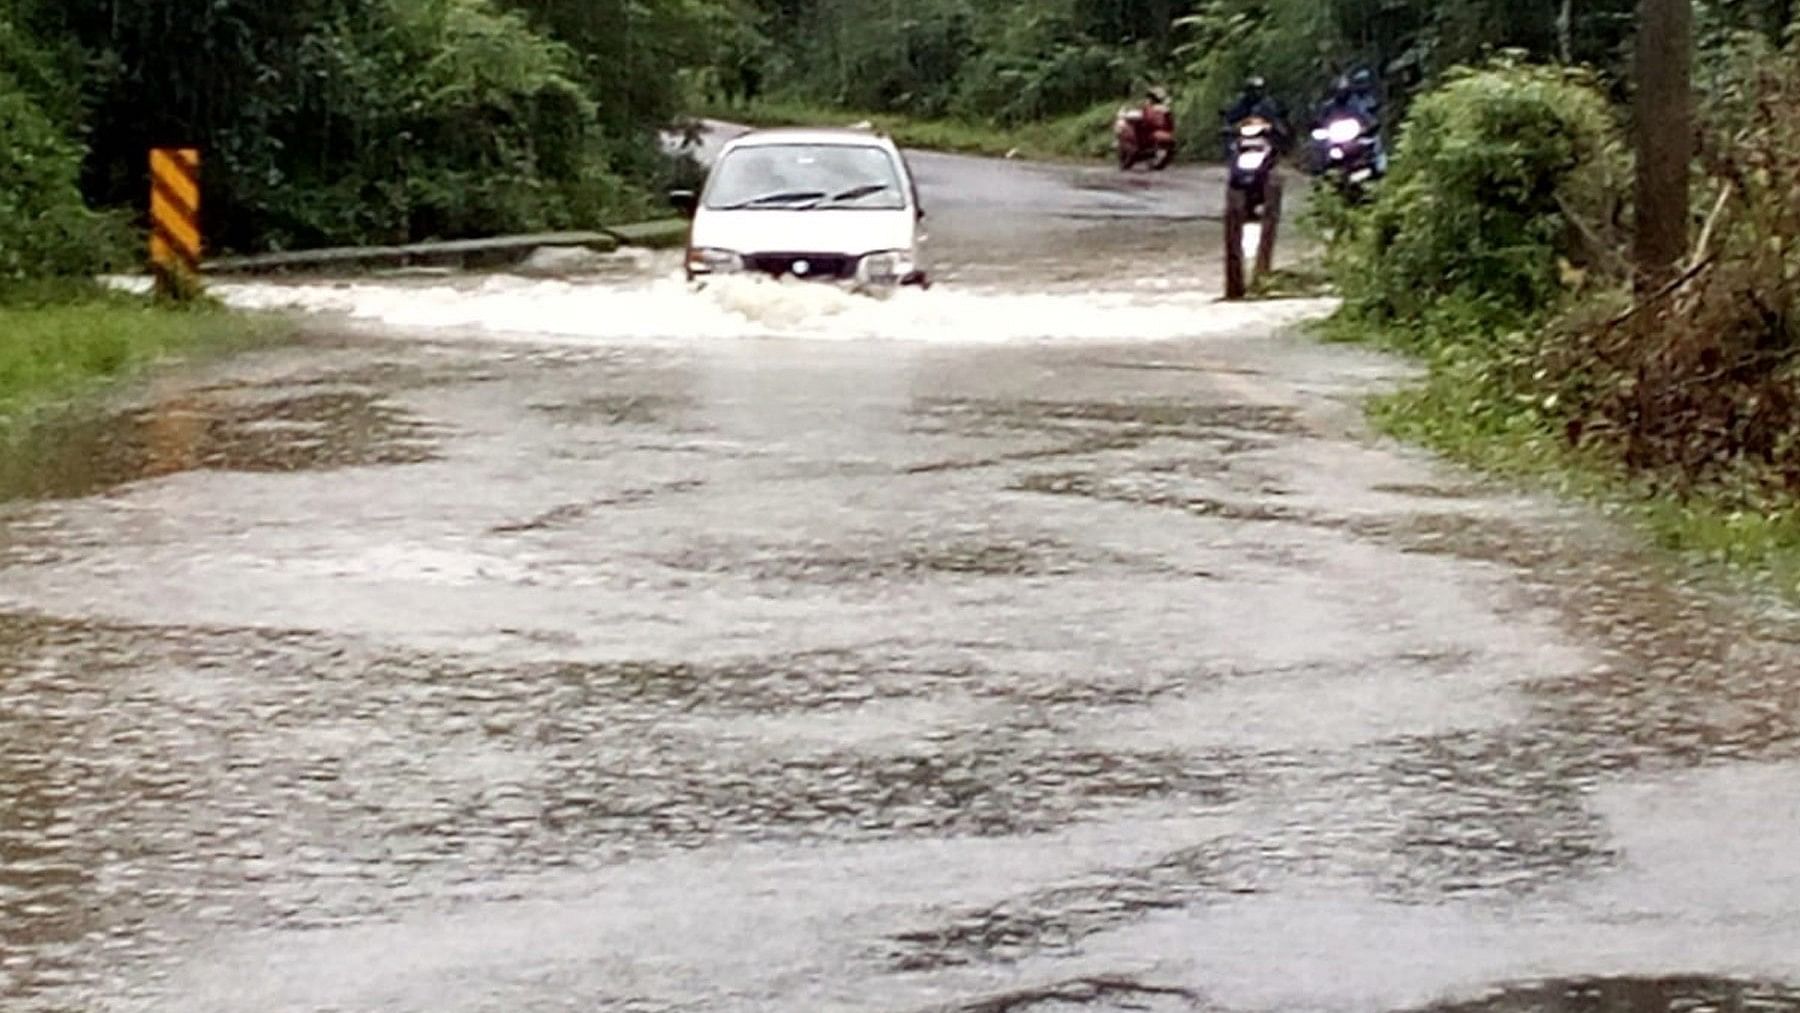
<point x="1703" y="249"/>
<point x="1660" y="294"/>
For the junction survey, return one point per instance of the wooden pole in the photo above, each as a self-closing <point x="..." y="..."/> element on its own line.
<point x="1665" y="138"/>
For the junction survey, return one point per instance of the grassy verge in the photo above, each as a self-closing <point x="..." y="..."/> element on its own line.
<point x="1458" y="411"/>
<point x="1086" y="135"/>
<point x="58" y="344"/>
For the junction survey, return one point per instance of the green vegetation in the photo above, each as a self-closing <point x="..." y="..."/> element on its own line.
<point x="1004" y="63"/>
<point x="331" y="122"/>
<point x="1495" y="252"/>
<point x="45" y="228"/>
<point x="321" y="122"/>
<point x="1078" y="136"/>
<point x="56" y="343"/>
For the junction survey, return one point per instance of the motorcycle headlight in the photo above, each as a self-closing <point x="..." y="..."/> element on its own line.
<point x="707" y="260"/>
<point x="1344" y="131"/>
<point x="890" y="267"/>
<point x="1250" y="161"/>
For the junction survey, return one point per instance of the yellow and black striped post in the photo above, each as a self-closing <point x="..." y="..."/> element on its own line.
<point x="175" y="244"/>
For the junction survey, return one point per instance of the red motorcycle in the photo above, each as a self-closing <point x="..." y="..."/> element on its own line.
<point x="1145" y="134"/>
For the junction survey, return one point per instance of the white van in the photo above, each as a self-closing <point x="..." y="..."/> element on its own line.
<point x="825" y="205"/>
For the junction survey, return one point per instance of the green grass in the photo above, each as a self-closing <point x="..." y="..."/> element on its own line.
<point x="1462" y="414"/>
<point x="1306" y="279"/>
<point x="58" y="344"/>
<point x="1086" y="135"/>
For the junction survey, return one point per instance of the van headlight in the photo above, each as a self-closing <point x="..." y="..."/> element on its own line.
<point x="890" y="267"/>
<point x="708" y="260"/>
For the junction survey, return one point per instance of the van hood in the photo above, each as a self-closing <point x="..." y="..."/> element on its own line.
<point x="853" y="233"/>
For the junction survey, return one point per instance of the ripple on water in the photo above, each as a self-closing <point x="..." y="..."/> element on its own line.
<point x="80" y="454"/>
<point x="1632" y="995"/>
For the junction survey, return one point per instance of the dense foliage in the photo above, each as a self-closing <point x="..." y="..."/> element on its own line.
<point x="357" y="120"/>
<point x="1010" y="60"/>
<point x="45" y="228"/>
<point x="1476" y="221"/>
<point x="1497" y="250"/>
<point x="349" y="120"/>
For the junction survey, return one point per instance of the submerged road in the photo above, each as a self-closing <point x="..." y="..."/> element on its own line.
<point x="1057" y="639"/>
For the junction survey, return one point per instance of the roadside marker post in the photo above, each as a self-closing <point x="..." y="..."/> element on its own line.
<point x="175" y="242"/>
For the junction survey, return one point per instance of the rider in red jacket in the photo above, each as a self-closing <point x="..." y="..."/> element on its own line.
<point x="1159" y="118"/>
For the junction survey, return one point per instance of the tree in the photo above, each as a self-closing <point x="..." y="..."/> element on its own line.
<point x="1665" y="138"/>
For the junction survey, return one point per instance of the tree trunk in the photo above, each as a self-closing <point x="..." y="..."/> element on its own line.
<point x="1665" y="138"/>
<point x="1565" y="33"/>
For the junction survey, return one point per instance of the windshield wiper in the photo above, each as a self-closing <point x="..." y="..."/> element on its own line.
<point x="788" y="197"/>
<point x="858" y="193"/>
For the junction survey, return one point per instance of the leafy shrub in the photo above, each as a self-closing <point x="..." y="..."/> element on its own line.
<point x="45" y="229"/>
<point x="1468" y="235"/>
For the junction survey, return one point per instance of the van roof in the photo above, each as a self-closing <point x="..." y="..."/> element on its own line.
<point x="812" y="135"/>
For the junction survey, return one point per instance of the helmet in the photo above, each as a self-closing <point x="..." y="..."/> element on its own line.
<point x="1256" y="85"/>
<point x="1159" y="94"/>
<point x="1363" y="79"/>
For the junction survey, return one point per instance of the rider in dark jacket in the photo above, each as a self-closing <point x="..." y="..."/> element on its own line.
<point x="1358" y="96"/>
<point x="1353" y="95"/>
<point x="1255" y="101"/>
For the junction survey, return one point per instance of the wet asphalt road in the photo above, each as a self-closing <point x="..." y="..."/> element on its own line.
<point x="422" y="669"/>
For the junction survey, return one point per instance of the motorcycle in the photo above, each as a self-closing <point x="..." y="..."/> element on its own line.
<point x="1139" y="140"/>
<point x="1348" y="152"/>
<point x="1252" y="203"/>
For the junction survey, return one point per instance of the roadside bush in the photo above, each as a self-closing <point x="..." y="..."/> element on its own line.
<point x="1497" y="251"/>
<point x="45" y="228"/>
<point x="1494" y="174"/>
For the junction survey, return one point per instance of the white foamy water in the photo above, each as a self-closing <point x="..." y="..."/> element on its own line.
<point x="670" y="310"/>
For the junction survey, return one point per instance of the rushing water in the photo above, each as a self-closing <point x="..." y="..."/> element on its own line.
<point x="1055" y="638"/>
<point x="667" y="309"/>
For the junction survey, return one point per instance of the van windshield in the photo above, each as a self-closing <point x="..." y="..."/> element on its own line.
<point x="789" y="177"/>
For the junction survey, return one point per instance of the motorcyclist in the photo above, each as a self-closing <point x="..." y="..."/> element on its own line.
<point x="1356" y="95"/>
<point x="1159" y="116"/>
<point x="1255" y="101"/>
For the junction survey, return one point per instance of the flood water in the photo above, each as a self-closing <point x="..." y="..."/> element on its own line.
<point x="1055" y="639"/>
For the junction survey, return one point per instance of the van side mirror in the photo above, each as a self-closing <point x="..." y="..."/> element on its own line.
<point x="685" y="202"/>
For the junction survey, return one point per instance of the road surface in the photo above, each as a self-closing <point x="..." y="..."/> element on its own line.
<point x="1056" y="639"/>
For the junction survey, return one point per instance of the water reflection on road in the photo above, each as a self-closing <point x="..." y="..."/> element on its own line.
<point x="534" y="645"/>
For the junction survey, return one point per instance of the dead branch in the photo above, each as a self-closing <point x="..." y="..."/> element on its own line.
<point x="1662" y="293"/>
<point x="1703" y="249"/>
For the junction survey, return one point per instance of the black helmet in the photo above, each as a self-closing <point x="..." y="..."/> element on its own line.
<point x="1362" y="79"/>
<point x="1256" y="84"/>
